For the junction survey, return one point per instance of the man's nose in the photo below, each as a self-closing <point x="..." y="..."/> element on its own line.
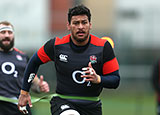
<point x="80" y="25"/>
<point x="6" y="34"/>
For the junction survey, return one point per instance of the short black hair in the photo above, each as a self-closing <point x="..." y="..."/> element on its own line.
<point x="79" y="10"/>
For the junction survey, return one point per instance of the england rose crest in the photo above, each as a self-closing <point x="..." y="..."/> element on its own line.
<point x="93" y="59"/>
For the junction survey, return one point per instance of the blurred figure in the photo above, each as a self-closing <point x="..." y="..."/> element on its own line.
<point x="109" y="40"/>
<point x="12" y="66"/>
<point x="156" y="84"/>
<point x="85" y="64"/>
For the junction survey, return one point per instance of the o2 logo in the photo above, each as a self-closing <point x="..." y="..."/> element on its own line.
<point x="11" y="70"/>
<point x="75" y="76"/>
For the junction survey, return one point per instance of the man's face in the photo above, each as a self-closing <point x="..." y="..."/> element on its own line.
<point x="6" y="38"/>
<point x="79" y="27"/>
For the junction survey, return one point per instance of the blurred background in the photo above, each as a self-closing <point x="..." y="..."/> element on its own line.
<point x="133" y="25"/>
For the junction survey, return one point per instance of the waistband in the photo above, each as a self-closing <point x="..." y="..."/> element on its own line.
<point x="76" y="97"/>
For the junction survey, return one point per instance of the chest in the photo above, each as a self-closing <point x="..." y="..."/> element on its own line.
<point x="12" y="64"/>
<point x="70" y="60"/>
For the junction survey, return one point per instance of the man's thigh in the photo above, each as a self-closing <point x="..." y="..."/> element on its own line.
<point x="59" y="105"/>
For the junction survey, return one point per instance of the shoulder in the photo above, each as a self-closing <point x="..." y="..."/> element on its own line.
<point x="20" y="52"/>
<point x="97" y="41"/>
<point x="63" y="40"/>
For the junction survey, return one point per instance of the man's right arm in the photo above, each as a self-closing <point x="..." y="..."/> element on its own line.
<point x="30" y="71"/>
<point x="29" y="74"/>
<point x="43" y="55"/>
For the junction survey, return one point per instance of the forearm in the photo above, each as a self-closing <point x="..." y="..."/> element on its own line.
<point x="30" y="72"/>
<point x="110" y="81"/>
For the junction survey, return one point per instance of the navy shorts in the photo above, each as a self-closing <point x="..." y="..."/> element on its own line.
<point x="58" y="105"/>
<point x="7" y="108"/>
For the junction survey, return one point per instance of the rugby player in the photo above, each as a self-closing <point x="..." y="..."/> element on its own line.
<point x="12" y="66"/>
<point x="156" y="84"/>
<point x="85" y="64"/>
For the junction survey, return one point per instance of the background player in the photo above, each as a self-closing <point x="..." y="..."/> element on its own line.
<point x="12" y="66"/>
<point x="85" y="64"/>
<point x="156" y="84"/>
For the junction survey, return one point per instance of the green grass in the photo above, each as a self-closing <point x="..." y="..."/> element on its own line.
<point x="129" y="105"/>
<point x="114" y="104"/>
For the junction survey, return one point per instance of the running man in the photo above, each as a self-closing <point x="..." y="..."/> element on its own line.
<point x="85" y="64"/>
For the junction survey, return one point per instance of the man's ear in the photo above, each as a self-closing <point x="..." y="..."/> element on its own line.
<point x="68" y="26"/>
<point x="90" y="26"/>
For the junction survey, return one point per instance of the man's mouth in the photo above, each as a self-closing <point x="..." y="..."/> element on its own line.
<point x="80" y="33"/>
<point x="6" y="41"/>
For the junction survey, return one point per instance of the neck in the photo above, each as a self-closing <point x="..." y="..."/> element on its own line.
<point x="83" y="43"/>
<point x="4" y="50"/>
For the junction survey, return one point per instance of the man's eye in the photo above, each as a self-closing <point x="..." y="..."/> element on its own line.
<point x="2" y="32"/>
<point x="10" y="32"/>
<point x="75" y="23"/>
<point x="84" y="22"/>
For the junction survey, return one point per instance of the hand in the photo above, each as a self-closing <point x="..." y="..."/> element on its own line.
<point x="23" y="100"/>
<point x="90" y="74"/>
<point x="43" y="85"/>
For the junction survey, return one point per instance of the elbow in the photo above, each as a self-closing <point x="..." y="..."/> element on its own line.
<point x="113" y="84"/>
<point x="116" y="84"/>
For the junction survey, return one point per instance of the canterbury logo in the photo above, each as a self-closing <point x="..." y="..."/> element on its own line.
<point x="63" y="58"/>
<point x="31" y="77"/>
<point x="64" y="107"/>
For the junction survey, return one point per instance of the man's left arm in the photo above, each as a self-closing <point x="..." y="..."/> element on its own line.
<point x="107" y="81"/>
<point x="110" y="77"/>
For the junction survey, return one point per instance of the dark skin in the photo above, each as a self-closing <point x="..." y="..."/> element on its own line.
<point x="79" y="28"/>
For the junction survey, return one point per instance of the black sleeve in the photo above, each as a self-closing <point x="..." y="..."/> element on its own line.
<point x="111" y="80"/>
<point x="30" y="71"/>
<point x="108" y="52"/>
<point x="49" y="48"/>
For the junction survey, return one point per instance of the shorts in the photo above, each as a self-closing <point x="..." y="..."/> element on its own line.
<point x="58" y="105"/>
<point x="7" y="108"/>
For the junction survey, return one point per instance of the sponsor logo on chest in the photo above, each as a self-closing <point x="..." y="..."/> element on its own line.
<point x="63" y="58"/>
